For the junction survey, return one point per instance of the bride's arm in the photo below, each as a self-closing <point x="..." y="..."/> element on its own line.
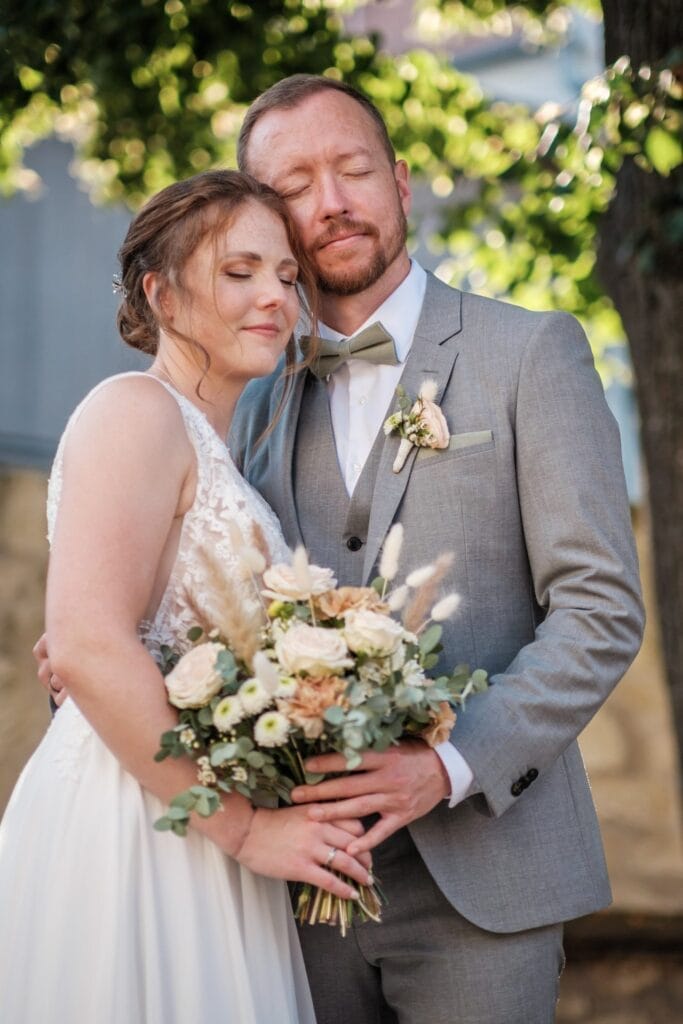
<point x="128" y="474"/>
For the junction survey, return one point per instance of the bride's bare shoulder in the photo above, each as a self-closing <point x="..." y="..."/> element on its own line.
<point x="133" y="412"/>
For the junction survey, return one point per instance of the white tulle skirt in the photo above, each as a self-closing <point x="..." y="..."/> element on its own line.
<point x="105" y="921"/>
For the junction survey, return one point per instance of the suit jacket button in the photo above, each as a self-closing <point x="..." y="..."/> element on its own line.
<point x="354" y="543"/>
<point x="517" y="787"/>
<point x="532" y="774"/>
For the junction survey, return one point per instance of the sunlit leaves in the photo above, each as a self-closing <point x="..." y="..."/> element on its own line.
<point x="151" y="91"/>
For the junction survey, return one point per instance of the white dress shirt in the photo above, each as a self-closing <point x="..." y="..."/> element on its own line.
<point x="361" y="396"/>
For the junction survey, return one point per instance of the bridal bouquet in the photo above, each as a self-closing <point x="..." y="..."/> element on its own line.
<point x="321" y="669"/>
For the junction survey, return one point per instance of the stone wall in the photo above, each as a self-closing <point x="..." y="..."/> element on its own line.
<point x="628" y="748"/>
<point x="23" y="553"/>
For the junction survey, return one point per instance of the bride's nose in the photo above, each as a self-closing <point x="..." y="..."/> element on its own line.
<point x="272" y="294"/>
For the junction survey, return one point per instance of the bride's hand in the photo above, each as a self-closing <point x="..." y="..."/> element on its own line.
<point x="285" y="843"/>
<point x="52" y="683"/>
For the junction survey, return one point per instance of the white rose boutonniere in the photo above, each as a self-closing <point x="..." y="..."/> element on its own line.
<point x="420" y="424"/>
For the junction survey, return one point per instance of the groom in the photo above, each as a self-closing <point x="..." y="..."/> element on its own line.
<point x="487" y="844"/>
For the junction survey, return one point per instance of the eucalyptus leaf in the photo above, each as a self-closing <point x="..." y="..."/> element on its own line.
<point x="430" y="638"/>
<point x="244" y="745"/>
<point x="335" y="715"/>
<point x="222" y="752"/>
<point x="205" y="716"/>
<point x="163" y="824"/>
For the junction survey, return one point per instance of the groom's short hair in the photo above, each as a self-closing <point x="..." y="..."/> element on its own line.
<point x="289" y="93"/>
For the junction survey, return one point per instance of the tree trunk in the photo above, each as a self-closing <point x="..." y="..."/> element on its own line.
<point x="641" y="270"/>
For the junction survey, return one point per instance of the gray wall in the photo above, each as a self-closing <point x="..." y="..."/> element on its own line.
<point x="57" y="308"/>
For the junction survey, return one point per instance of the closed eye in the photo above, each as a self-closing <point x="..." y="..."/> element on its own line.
<point x="292" y="193"/>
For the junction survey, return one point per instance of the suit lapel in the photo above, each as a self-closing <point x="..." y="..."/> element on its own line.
<point x="432" y="354"/>
<point x="280" y="457"/>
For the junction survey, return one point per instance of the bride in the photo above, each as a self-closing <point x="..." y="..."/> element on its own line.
<point x="104" y="919"/>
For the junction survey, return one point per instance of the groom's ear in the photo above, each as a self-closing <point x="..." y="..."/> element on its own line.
<point x="159" y="295"/>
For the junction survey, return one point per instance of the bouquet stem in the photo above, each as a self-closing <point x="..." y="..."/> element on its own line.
<point x="317" y="906"/>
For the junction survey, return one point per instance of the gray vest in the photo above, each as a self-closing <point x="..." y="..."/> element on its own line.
<point x="334" y="527"/>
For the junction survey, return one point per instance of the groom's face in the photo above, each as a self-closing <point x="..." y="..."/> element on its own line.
<point x="349" y="201"/>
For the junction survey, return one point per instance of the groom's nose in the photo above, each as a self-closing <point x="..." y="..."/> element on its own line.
<point x="331" y="196"/>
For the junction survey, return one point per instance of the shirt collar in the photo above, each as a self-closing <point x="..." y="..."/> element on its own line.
<point x="399" y="313"/>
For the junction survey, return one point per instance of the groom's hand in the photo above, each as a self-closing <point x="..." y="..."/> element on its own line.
<point x="402" y="784"/>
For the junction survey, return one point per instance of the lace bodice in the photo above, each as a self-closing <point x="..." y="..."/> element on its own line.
<point x="226" y="516"/>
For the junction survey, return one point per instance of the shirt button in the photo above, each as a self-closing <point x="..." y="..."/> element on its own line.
<point x="362" y="400"/>
<point x="354" y="543"/>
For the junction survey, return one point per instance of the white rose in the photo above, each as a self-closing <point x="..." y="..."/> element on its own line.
<point x="281" y="582"/>
<point x="312" y="649"/>
<point x="254" y="696"/>
<point x="371" y="632"/>
<point x="271" y="729"/>
<point x="195" y="680"/>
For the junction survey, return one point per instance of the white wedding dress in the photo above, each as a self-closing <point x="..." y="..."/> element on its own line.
<point x="104" y="920"/>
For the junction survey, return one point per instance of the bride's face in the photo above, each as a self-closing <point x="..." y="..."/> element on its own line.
<point x="238" y="298"/>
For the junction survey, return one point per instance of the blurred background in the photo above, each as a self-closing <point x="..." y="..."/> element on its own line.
<point x="544" y="141"/>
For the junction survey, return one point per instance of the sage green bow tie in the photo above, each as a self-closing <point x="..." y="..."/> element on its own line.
<point x="373" y="343"/>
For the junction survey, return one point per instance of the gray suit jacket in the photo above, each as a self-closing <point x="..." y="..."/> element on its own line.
<point x="531" y="499"/>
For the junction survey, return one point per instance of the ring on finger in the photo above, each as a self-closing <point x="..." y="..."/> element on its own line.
<point x="330" y="856"/>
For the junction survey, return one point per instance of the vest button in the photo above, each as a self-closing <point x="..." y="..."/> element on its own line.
<point x="354" y="543"/>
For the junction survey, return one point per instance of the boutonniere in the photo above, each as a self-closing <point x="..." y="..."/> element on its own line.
<point x="419" y="423"/>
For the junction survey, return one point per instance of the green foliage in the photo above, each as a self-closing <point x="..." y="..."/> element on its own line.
<point x="151" y="91"/>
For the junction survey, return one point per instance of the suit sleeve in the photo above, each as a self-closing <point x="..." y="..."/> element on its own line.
<point x="578" y="535"/>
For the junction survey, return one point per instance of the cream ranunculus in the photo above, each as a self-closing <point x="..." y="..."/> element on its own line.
<point x="314" y="650"/>
<point x="195" y="679"/>
<point x="371" y="632"/>
<point x="281" y="582"/>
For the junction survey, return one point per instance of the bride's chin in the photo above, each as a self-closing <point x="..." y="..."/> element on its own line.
<point x="264" y="367"/>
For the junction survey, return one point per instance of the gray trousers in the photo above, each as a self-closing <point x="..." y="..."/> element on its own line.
<point x="425" y="963"/>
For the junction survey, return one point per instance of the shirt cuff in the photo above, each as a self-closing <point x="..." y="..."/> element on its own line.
<point x="459" y="773"/>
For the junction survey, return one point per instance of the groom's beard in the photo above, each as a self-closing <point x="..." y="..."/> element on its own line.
<point x="359" y="275"/>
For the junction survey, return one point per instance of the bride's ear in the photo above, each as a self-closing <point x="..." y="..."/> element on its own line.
<point x="159" y="296"/>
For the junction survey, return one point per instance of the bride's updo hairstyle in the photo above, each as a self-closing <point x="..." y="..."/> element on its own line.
<point x="166" y="231"/>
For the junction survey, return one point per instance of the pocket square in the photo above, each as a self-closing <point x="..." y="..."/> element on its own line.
<point x="458" y="441"/>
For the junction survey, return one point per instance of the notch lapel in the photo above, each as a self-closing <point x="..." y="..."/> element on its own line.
<point x="432" y="355"/>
